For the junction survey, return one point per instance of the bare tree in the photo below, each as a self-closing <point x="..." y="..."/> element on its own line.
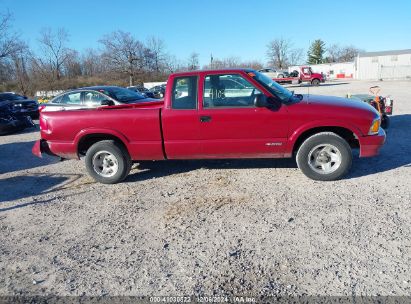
<point x="72" y="66"/>
<point x="123" y="53"/>
<point x="341" y="54"/>
<point x="253" y="64"/>
<point x="334" y="53"/>
<point x="193" y="63"/>
<point x="91" y="63"/>
<point x="348" y="53"/>
<point x="295" y="56"/>
<point x="156" y="47"/>
<point x="278" y="51"/>
<point x="173" y="64"/>
<point x="54" y="51"/>
<point x="9" y="41"/>
<point x="21" y="61"/>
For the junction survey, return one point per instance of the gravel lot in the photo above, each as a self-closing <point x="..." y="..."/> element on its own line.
<point x="250" y="227"/>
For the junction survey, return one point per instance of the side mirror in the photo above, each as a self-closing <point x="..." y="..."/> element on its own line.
<point x="107" y="102"/>
<point x="262" y="101"/>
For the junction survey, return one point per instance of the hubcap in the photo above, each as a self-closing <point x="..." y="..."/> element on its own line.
<point x="105" y="164"/>
<point x="324" y="159"/>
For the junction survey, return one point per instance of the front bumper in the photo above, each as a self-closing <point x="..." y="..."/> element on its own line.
<point x="371" y="145"/>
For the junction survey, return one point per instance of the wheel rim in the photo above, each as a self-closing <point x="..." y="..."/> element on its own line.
<point x="105" y="164"/>
<point x="324" y="159"/>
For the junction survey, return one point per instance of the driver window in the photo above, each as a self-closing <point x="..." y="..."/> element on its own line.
<point x="228" y="90"/>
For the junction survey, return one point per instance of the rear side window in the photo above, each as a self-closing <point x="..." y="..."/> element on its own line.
<point x="184" y="95"/>
<point x="70" y="98"/>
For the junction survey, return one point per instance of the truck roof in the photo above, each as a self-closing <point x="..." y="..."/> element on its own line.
<point x="196" y="72"/>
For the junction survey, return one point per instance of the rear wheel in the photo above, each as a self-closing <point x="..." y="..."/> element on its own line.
<point x="315" y="82"/>
<point x="108" y="162"/>
<point x="324" y="156"/>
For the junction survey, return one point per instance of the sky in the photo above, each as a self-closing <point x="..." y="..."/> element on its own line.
<point x="223" y="28"/>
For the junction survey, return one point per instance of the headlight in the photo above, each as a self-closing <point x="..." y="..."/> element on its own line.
<point x="375" y="126"/>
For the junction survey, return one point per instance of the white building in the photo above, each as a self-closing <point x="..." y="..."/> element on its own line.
<point x="383" y="65"/>
<point x="334" y="70"/>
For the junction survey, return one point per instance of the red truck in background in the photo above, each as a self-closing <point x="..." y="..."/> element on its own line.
<point x="305" y="74"/>
<point x="232" y="113"/>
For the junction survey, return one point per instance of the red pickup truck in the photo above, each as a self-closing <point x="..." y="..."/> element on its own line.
<point x="233" y="113"/>
<point x="305" y="74"/>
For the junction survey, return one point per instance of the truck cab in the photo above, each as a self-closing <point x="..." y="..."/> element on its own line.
<point x="307" y="75"/>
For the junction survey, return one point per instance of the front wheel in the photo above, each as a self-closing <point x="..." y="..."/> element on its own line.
<point x="108" y="162"/>
<point x="324" y="156"/>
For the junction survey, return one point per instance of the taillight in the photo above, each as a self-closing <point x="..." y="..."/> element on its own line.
<point x="41" y="107"/>
<point x="44" y="126"/>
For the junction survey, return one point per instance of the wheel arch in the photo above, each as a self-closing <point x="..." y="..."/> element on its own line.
<point x="86" y="138"/>
<point x="346" y="133"/>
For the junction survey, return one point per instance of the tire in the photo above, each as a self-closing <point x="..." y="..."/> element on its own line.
<point x="324" y="156"/>
<point x="280" y="76"/>
<point x="108" y="162"/>
<point x="315" y="82"/>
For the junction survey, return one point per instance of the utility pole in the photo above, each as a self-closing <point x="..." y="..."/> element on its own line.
<point x="211" y="61"/>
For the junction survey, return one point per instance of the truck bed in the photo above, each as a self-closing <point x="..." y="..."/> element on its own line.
<point x="137" y="126"/>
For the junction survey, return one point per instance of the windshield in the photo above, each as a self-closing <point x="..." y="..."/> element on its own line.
<point x="122" y="95"/>
<point x="272" y="86"/>
<point x="10" y="96"/>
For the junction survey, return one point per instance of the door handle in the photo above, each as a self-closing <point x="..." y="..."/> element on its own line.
<point x="205" y="118"/>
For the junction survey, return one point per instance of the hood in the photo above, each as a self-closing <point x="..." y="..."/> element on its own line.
<point x="337" y="102"/>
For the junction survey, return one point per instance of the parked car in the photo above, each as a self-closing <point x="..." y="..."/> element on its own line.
<point x="93" y="97"/>
<point x="159" y="91"/>
<point x="21" y="104"/>
<point x="198" y="119"/>
<point x="143" y="91"/>
<point x="10" y="121"/>
<point x="273" y="73"/>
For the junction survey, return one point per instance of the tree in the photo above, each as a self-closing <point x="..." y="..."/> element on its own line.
<point x="10" y="43"/>
<point x="349" y="53"/>
<point x="341" y="54"/>
<point x="72" y="66"/>
<point x="295" y="56"/>
<point x="54" y="51"/>
<point x="193" y="63"/>
<point x="277" y="52"/>
<point x="123" y="53"/>
<point x="316" y="52"/>
<point x="156" y="47"/>
<point x="21" y="62"/>
<point x="334" y="53"/>
<point x="91" y="64"/>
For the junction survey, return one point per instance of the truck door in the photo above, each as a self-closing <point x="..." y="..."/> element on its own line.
<point x="232" y="127"/>
<point x="306" y="74"/>
<point x="180" y="120"/>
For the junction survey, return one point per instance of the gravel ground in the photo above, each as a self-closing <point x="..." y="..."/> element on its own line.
<point x="250" y="227"/>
